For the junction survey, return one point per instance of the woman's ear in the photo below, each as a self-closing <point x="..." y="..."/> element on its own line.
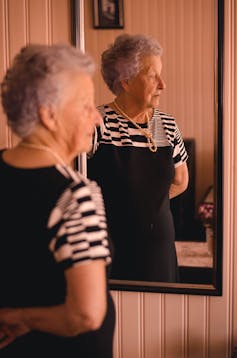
<point x="48" y="118"/>
<point x="125" y="85"/>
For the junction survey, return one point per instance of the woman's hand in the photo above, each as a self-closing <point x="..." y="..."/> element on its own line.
<point x="11" y="326"/>
<point x="180" y="181"/>
<point x="7" y="336"/>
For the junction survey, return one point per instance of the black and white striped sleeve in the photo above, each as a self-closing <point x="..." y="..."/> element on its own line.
<point x="180" y="154"/>
<point x="79" y="225"/>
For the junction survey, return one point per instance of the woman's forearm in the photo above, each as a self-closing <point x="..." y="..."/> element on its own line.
<point x="57" y="320"/>
<point x="54" y="319"/>
<point x="180" y="181"/>
<point x="176" y="190"/>
<point x="80" y="313"/>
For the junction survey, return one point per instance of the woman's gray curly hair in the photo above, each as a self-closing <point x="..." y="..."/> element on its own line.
<point x="121" y="61"/>
<point x="37" y="78"/>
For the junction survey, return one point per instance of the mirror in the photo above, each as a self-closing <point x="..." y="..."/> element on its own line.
<point x="192" y="69"/>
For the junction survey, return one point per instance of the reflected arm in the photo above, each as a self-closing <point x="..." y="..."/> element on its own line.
<point x="180" y="181"/>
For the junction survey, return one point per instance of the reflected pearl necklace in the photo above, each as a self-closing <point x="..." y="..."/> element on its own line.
<point x="150" y="140"/>
<point x="43" y="148"/>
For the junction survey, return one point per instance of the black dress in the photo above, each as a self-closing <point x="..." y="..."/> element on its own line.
<point x="135" y="183"/>
<point x="46" y="220"/>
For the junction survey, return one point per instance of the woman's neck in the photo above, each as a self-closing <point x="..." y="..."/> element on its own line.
<point x="58" y="158"/>
<point x="131" y="110"/>
<point x="47" y="144"/>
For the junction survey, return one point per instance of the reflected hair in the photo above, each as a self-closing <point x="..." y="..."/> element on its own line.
<point x="121" y="61"/>
<point x="37" y="77"/>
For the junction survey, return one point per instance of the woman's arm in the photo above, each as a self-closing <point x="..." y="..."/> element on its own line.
<point x="84" y="308"/>
<point x="180" y="181"/>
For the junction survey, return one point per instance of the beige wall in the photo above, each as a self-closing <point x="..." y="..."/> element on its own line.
<point x="24" y="21"/>
<point x="152" y="325"/>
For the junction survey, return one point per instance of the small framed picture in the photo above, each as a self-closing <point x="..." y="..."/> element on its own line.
<point x="108" y="14"/>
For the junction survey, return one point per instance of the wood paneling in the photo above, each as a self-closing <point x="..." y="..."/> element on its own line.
<point x="61" y="25"/>
<point x="29" y="21"/>
<point x="233" y="266"/>
<point x="4" y="58"/>
<point x="229" y="329"/>
<point x="38" y="21"/>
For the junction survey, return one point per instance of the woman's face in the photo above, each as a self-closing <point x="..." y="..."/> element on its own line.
<point x="145" y="88"/>
<point x="78" y="114"/>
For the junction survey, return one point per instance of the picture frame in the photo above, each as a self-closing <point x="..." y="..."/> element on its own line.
<point x="108" y="14"/>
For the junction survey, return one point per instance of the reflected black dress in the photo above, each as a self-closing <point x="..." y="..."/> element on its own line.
<point x="135" y="183"/>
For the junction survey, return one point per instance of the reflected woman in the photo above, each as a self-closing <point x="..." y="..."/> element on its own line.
<point x="139" y="160"/>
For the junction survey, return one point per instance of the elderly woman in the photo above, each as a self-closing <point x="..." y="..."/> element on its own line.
<point x="54" y="252"/>
<point x="139" y="160"/>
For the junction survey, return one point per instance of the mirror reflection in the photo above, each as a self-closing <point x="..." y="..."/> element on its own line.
<point x="139" y="160"/>
<point x="189" y="71"/>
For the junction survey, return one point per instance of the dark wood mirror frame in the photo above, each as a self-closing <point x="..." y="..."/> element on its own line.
<point x="214" y="289"/>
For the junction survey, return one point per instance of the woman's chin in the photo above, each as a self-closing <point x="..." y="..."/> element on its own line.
<point x="87" y="148"/>
<point x="156" y="101"/>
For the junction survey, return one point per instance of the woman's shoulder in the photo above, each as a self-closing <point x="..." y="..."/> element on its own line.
<point x="101" y="108"/>
<point x="77" y="189"/>
<point x="86" y="186"/>
<point x="106" y="112"/>
<point x="168" y="122"/>
<point x="164" y="115"/>
<point x="104" y="109"/>
<point x="74" y="181"/>
<point x="110" y="117"/>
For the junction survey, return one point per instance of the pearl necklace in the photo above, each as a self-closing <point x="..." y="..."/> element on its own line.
<point x="150" y="140"/>
<point x="44" y="148"/>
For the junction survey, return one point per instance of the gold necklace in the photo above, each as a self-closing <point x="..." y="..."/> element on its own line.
<point x="44" y="148"/>
<point x="150" y="140"/>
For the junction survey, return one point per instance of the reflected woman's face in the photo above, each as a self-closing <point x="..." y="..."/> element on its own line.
<point x="147" y="85"/>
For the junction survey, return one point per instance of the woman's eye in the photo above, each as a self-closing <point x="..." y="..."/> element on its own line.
<point x="153" y="76"/>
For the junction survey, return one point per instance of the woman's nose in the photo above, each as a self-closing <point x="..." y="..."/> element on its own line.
<point x="162" y="84"/>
